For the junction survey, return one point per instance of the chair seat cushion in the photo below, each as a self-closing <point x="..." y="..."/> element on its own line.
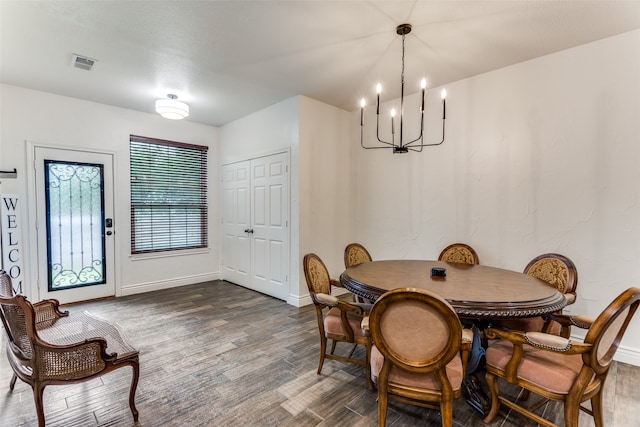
<point x="550" y="370"/>
<point x="428" y="381"/>
<point x="333" y="323"/>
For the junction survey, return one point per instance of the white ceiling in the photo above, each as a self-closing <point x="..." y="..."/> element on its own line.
<point x="227" y="59"/>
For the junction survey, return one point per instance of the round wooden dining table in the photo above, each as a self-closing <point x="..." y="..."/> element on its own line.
<point x="474" y="291"/>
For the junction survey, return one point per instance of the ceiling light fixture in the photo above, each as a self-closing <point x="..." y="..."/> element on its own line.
<point x="171" y="108"/>
<point x="401" y="146"/>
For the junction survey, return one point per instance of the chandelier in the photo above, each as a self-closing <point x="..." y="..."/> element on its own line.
<point x="400" y="146"/>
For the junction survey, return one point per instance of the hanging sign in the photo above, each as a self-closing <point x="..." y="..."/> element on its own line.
<point x="11" y="240"/>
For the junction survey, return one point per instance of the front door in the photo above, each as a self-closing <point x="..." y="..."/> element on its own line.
<point x="75" y="224"/>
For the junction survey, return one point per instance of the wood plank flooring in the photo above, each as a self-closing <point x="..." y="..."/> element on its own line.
<point x="216" y="354"/>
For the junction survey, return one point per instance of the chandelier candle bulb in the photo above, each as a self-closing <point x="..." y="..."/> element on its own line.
<point x="393" y="113"/>
<point x="362" y="103"/>
<point x="378" y="90"/>
<point x="444" y="103"/>
<point x="423" y="86"/>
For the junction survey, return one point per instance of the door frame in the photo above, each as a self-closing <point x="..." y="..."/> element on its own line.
<point x="32" y="288"/>
<point x="286" y="151"/>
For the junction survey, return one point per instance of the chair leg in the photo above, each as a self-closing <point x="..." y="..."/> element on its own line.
<point x="446" y="412"/>
<point x="38" y="391"/>
<point x="333" y="346"/>
<point x="132" y="391"/>
<point x="12" y="384"/>
<point x="383" y="401"/>
<point x="571" y="412"/>
<point x="323" y="350"/>
<point x="492" y="382"/>
<point x="596" y="408"/>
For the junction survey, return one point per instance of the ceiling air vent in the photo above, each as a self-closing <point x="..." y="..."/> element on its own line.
<point x="82" y="62"/>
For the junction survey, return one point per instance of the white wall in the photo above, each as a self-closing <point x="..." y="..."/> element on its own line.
<point x="317" y="136"/>
<point x="48" y="119"/>
<point x="542" y="156"/>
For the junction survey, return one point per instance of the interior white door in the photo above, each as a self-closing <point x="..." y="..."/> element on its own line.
<point x="255" y="246"/>
<point x="270" y="207"/>
<point x="74" y="211"/>
<point x="236" y="221"/>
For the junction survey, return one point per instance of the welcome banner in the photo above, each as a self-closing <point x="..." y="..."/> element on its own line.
<point x="11" y="240"/>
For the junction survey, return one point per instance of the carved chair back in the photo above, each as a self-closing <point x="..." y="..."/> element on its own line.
<point x="460" y="253"/>
<point x="355" y="254"/>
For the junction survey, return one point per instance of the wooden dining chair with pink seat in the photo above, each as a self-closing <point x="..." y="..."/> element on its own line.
<point x="460" y="253"/>
<point x="558" y="271"/>
<point x="338" y="320"/>
<point x="419" y="353"/>
<point x="558" y="368"/>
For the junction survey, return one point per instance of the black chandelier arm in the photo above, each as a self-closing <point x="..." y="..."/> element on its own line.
<point x="372" y="147"/>
<point x="427" y="145"/>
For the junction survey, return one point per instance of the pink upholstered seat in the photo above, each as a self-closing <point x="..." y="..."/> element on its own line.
<point x="556" y="367"/>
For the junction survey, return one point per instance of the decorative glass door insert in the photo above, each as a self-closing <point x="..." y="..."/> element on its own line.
<point x="75" y="219"/>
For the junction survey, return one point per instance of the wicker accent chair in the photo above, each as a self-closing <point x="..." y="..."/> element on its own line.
<point x="558" y="368"/>
<point x="342" y="322"/>
<point x="47" y="346"/>
<point x="460" y="253"/>
<point x="560" y="272"/>
<point x="416" y="357"/>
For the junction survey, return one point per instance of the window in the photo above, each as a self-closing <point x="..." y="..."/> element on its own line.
<point x="168" y="195"/>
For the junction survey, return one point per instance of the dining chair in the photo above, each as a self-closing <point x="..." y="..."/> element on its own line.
<point x="342" y="322"/>
<point x="559" y="368"/>
<point x="46" y="346"/>
<point x="558" y="271"/>
<point x="460" y="253"/>
<point x="416" y="354"/>
<point x="356" y="254"/>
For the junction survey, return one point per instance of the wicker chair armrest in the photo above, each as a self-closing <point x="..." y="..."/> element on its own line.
<point x="72" y="361"/>
<point x="570" y="297"/>
<point x="48" y="310"/>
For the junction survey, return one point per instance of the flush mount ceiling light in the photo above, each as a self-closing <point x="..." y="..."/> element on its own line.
<point x="171" y="108"/>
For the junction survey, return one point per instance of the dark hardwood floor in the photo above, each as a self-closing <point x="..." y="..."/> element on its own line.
<point x="216" y="354"/>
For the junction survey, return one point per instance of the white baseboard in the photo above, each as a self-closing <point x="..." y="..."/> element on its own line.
<point x="628" y="355"/>
<point x="139" y="288"/>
